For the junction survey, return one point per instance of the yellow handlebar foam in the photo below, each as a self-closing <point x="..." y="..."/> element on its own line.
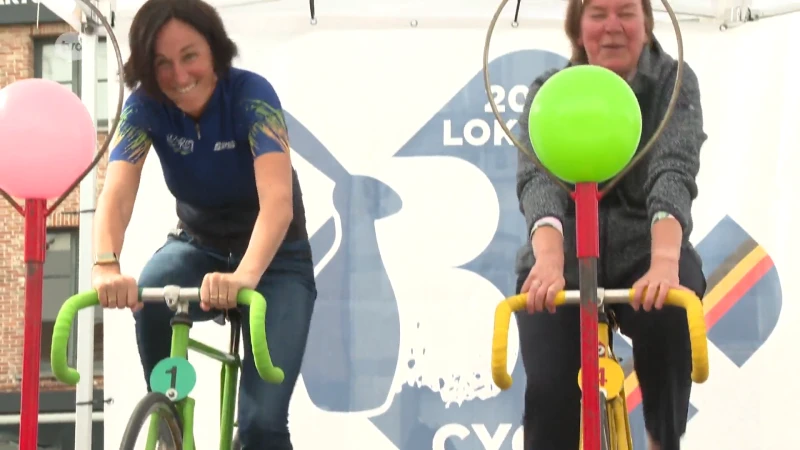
<point x="675" y="297"/>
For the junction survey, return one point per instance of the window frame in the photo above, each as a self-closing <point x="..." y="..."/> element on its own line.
<point x="45" y="369"/>
<point x="61" y="421"/>
<point x="39" y="43"/>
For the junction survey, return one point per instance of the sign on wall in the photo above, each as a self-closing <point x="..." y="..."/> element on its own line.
<point x="24" y="12"/>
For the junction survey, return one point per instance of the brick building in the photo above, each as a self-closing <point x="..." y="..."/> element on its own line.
<point x="27" y="49"/>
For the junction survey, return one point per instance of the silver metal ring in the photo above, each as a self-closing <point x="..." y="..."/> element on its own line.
<point x="638" y="156"/>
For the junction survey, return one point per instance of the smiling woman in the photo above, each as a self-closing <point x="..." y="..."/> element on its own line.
<point x="184" y="74"/>
<point x="222" y="142"/>
<point x="645" y="224"/>
<point x="178" y="54"/>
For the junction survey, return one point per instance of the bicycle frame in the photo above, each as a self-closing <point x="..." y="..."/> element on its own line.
<point x="615" y="434"/>
<point x="178" y="299"/>
<point x="231" y="363"/>
<point x="611" y="390"/>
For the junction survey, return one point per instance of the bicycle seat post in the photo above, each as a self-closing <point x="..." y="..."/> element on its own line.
<point x="586" y="199"/>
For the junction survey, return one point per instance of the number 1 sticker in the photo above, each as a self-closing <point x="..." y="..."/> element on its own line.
<point x="173" y="377"/>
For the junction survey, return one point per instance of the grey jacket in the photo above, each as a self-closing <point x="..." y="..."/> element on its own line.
<point x="663" y="181"/>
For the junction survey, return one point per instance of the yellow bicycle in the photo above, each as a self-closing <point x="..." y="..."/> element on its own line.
<point x="604" y="415"/>
<point x="615" y="431"/>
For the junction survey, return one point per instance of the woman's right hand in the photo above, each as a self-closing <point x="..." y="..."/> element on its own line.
<point x="544" y="282"/>
<point x="115" y="290"/>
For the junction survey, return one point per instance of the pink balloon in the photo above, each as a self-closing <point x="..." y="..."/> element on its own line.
<point x="47" y="139"/>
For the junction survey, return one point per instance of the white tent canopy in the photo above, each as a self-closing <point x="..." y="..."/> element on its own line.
<point x="454" y="13"/>
<point x="727" y="11"/>
<point x="704" y="8"/>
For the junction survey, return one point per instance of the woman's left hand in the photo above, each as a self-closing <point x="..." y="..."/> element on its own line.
<point x="220" y="290"/>
<point x="651" y="290"/>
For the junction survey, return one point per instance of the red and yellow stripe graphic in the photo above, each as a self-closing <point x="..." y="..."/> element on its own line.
<point x="730" y="289"/>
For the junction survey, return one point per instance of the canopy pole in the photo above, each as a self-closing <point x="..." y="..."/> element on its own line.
<point x="84" y="394"/>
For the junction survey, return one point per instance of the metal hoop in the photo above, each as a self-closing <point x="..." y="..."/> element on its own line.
<point x="638" y="157"/>
<point x="111" y="132"/>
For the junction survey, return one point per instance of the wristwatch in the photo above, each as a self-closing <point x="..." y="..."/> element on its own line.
<point x="548" y="221"/>
<point x="105" y="258"/>
<point x="659" y="216"/>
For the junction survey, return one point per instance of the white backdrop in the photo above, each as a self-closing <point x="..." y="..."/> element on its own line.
<point x="450" y="8"/>
<point x="364" y="91"/>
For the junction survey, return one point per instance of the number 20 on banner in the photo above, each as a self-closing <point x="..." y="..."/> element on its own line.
<point x="478" y="132"/>
<point x="515" y="98"/>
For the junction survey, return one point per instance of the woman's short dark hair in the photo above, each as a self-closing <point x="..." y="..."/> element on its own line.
<point x="139" y="70"/>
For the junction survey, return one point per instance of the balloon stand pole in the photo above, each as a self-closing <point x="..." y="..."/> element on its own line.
<point x="586" y="199"/>
<point x="35" y="243"/>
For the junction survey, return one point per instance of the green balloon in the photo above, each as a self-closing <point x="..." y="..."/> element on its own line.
<point x="585" y="124"/>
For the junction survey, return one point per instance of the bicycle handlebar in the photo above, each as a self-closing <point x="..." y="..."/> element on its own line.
<point x="675" y="297"/>
<point x="247" y="297"/>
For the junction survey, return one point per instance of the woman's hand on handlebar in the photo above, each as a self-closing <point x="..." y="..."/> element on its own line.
<point x="115" y="290"/>
<point x="544" y="282"/>
<point x="651" y="290"/>
<point x="221" y="290"/>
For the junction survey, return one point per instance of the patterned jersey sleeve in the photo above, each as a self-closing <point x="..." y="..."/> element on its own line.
<point x="132" y="140"/>
<point x="261" y="110"/>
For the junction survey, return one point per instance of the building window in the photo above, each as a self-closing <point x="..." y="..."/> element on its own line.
<point x="50" y="65"/>
<point x="56" y="431"/>
<point x="60" y="283"/>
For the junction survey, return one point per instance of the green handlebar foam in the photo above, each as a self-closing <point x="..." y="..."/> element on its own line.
<point x="61" y="329"/>
<point x="258" y="335"/>
<point x="247" y="297"/>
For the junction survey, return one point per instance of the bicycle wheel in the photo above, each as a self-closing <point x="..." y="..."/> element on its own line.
<point x="169" y="428"/>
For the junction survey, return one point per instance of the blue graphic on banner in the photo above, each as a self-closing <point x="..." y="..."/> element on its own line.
<point x="354" y="344"/>
<point x="465" y="128"/>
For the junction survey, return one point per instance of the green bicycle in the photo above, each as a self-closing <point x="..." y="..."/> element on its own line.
<point x="174" y="378"/>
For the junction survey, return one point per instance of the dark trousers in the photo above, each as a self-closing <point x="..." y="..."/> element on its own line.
<point x="288" y="286"/>
<point x="550" y="348"/>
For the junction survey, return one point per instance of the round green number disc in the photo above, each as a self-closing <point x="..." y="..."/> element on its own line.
<point x="173" y="377"/>
<point x="585" y="124"/>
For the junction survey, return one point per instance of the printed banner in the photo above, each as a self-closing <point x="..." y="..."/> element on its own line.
<point x="409" y="184"/>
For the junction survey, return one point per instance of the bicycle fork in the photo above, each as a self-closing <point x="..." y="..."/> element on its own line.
<point x="228" y="379"/>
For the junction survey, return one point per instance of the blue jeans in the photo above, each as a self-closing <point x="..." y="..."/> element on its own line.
<point x="288" y="285"/>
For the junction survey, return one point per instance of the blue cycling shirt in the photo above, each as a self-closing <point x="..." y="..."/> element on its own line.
<point x="208" y="163"/>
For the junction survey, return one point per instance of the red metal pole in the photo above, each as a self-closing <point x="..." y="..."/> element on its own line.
<point x="35" y="236"/>
<point x="588" y="251"/>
